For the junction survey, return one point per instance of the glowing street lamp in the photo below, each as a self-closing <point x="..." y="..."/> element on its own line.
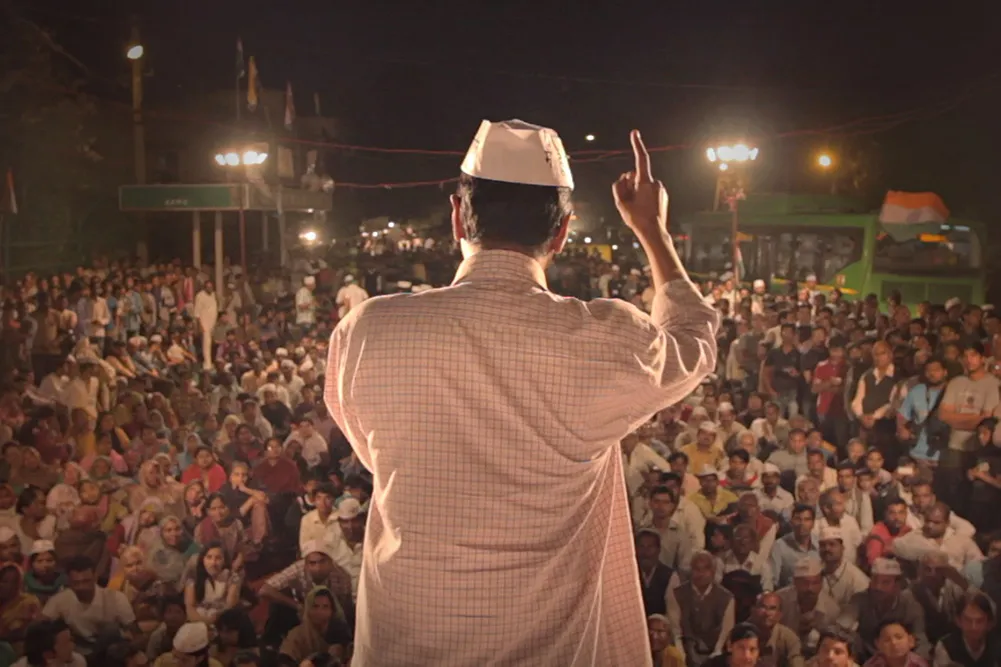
<point x="135" y="52"/>
<point x="731" y="157"/>
<point x="589" y="137"/>
<point x="825" y="161"/>
<point x="234" y="159"/>
<point x="727" y="155"/>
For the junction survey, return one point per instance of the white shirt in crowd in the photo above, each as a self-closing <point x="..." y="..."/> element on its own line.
<point x="86" y="620"/>
<point x="350" y="296"/>
<point x="304" y="297"/>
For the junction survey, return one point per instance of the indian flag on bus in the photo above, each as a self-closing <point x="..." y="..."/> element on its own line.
<point x="905" y="215"/>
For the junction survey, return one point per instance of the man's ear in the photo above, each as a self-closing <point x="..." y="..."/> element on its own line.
<point x="458" y="233"/>
<point x="560" y="239"/>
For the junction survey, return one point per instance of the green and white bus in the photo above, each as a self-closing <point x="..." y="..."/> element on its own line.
<point x="785" y="238"/>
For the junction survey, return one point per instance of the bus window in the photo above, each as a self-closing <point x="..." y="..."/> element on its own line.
<point x="821" y="252"/>
<point x="953" y="250"/>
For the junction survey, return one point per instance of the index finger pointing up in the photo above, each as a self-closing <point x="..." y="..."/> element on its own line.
<point x="643" y="172"/>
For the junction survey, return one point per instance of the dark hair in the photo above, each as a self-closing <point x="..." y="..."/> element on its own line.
<point x="837" y="634"/>
<point x="678" y="456"/>
<point x="743" y="631"/>
<point x="237" y="619"/>
<point x="27" y="497"/>
<point x="741" y="454"/>
<point x="215" y="496"/>
<point x="201" y="574"/>
<point x="327" y="489"/>
<point x="666" y="477"/>
<point x="813" y="451"/>
<point x="40" y="638"/>
<point x="978" y="599"/>
<point x="663" y="490"/>
<point x="647" y="532"/>
<point x="358" y="482"/>
<point x="887" y="622"/>
<point x="511" y="213"/>
<point x="893" y="502"/>
<point x="79" y="564"/>
<point x="799" y="508"/>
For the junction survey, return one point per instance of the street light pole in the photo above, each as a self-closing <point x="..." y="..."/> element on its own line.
<point x="731" y="161"/>
<point x="135" y="54"/>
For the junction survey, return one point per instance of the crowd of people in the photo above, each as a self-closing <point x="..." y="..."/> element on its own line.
<point x="169" y="469"/>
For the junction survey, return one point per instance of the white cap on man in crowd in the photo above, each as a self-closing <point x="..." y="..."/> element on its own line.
<point x="726" y="407"/>
<point x="770" y="468"/>
<point x="192" y="638"/>
<point x="831" y="533"/>
<point x="707" y="471"/>
<point x="281" y="352"/>
<point x="812" y="278"/>
<point x="513" y="151"/>
<point x="404" y="284"/>
<point x="42" y="547"/>
<point x="348" y="509"/>
<point x="309" y="281"/>
<point x="708" y="427"/>
<point x="886" y="567"/>
<point x="808" y="566"/>
<point x="759" y="283"/>
<point x="699" y="411"/>
<point x="953" y="303"/>
<point x="348" y="279"/>
<point x="318" y="547"/>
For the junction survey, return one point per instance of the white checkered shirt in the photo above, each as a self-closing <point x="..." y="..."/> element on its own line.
<point x="490" y="413"/>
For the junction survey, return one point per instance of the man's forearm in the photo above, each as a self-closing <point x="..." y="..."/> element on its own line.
<point x="665" y="265"/>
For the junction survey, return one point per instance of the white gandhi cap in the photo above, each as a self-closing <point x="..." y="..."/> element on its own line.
<point x="191" y="638"/>
<point x="513" y="151"/>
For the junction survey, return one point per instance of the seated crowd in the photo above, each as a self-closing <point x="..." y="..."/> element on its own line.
<point x="829" y="496"/>
<point x="824" y="498"/>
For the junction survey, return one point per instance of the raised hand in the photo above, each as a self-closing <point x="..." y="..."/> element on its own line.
<point x="641" y="200"/>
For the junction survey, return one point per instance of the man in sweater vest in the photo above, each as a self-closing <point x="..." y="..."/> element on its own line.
<point x="873" y="401"/>
<point x="701" y="612"/>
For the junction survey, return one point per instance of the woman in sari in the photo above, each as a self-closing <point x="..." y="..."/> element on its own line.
<point x="106" y="426"/>
<point x="192" y="443"/>
<point x="17" y="608"/>
<point x="221" y="527"/>
<point x="43" y="579"/>
<point x="194" y="505"/>
<point x="207" y="470"/>
<point x="249" y="505"/>
<point x="107" y="508"/>
<point x="169" y="558"/>
<point x="152" y="485"/>
<point x="64" y="496"/>
<point x="116" y="462"/>
<point x="81" y="434"/>
<point x="32" y="472"/>
<point x="140" y="529"/>
<point x="227" y="433"/>
<point x="140" y="587"/>
<point x="320" y="631"/>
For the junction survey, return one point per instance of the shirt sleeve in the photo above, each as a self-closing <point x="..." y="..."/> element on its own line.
<point x="664" y="356"/>
<point x="728" y="621"/>
<point x="674" y="616"/>
<point x="123" y="609"/>
<point x="284" y="579"/>
<point x="859" y="397"/>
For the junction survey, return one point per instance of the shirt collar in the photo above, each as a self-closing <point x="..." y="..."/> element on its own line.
<point x="502" y="266"/>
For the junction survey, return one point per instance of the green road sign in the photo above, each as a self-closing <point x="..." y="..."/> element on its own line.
<point x="213" y="197"/>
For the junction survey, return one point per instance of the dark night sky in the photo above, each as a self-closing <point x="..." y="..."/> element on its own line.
<point x="423" y="74"/>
